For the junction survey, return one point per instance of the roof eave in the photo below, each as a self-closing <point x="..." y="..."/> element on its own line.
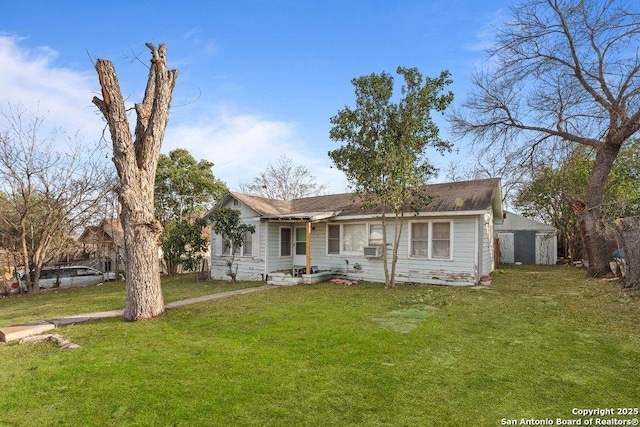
<point x="417" y="215"/>
<point x="304" y="217"/>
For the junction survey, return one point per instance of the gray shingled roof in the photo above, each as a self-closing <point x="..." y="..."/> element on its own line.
<point x="477" y="195"/>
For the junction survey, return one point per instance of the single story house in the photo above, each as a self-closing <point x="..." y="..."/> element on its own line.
<point x="523" y="240"/>
<point x="449" y="242"/>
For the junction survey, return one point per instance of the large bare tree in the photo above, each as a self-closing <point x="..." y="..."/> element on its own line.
<point x="136" y="162"/>
<point x="46" y="194"/>
<point x="283" y="180"/>
<point x="563" y="71"/>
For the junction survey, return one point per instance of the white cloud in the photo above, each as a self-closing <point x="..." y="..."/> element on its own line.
<point x="242" y="145"/>
<point x="239" y="144"/>
<point x="485" y="37"/>
<point x="63" y="96"/>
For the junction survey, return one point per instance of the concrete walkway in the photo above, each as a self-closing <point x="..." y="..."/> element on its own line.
<point x="17" y="332"/>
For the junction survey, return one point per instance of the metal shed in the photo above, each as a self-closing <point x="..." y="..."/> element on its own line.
<point x="523" y="240"/>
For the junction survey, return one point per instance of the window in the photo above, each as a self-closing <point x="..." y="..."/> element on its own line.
<point x="48" y="273"/>
<point x="375" y="234"/>
<point x="333" y="239"/>
<point x="420" y="239"/>
<point x="353" y="237"/>
<point x="226" y="246"/>
<point x="245" y="250"/>
<point x="285" y="242"/>
<point x="301" y="241"/>
<point x="441" y="240"/>
<point x="346" y="238"/>
<point x="67" y="272"/>
<point x="247" y="246"/>
<point x="431" y="240"/>
<point x="87" y="272"/>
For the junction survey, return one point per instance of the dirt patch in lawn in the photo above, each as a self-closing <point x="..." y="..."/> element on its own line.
<point x="404" y="320"/>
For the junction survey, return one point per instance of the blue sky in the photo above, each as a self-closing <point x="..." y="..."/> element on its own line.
<point x="257" y="79"/>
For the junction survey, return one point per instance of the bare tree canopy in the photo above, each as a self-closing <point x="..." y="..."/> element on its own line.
<point x="562" y="71"/>
<point x="490" y="164"/>
<point x="46" y="195"/>
<point x="136" y="162"/>
<point x="284" y="181"/>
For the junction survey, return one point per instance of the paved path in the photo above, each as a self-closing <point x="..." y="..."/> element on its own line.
<point x="17" y="332"/>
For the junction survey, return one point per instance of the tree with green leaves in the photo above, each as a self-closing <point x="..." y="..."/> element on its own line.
<point x="384" y="155"/>
<point x="185" y="189"/>
<point x="184" y="243"/>
<point x="544" y="197"/>
<point x="227" y="224"/>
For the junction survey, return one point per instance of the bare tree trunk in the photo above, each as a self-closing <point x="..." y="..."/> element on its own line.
<point x="398" y="221"/>
<point x="136" y="163"/>
<point x="385" y="255"/>
<point x="590" y="215"/>
<point x="629" y="232"/>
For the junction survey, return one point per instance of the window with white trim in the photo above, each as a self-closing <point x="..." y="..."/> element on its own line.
<point x="247" y="245"/>
<point x="354" y="237"/>
<point x="285" y="241"/>
<point x="431" y="239"/>
<point x="441" y="240"/>
<point x="333" y="239"/>
<point x="245" y="250"/>
<point x="301" y="241"/>
<point x="226" y="246"/>
<point x="420" y="239"/>
<point x="346" y="238"/>
<point x="375" y="234"/>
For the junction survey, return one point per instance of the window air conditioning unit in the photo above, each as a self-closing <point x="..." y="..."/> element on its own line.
<point x="373" y="251"/>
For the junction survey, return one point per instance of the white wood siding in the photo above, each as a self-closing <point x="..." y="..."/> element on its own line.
<point x="507" y="255"/>
<point x="471" y="246"/>
<point x="546" y="248"/>
<point x="460" y="270"/>
<point x="250" y="267"/>
<point x="488" y="249"/>
<point x="277" y="262"/>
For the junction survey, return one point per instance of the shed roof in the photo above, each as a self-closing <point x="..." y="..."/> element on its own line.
<point x="515" y="222"/>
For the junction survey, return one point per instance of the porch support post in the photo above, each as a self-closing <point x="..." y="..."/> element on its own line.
<point x="308" y="248"/>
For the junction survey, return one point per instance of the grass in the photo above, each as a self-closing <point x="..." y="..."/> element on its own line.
<point x="537" y="343"/>
<point x="108" y="296"/>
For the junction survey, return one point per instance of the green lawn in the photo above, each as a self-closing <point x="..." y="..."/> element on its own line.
<point x="537" y="343"/>
<point x="108" y="296"/>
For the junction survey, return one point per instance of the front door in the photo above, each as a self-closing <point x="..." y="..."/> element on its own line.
<point x="300" y="246"/>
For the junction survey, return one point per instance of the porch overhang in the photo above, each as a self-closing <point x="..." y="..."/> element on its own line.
<point x="301" y="217"/>
<point x="307" y="218"/>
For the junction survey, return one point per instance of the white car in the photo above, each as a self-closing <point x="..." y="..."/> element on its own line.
<point x="71" y="276"/>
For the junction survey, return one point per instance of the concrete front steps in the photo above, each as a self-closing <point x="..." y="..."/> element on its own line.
<point x="286" y="279"/>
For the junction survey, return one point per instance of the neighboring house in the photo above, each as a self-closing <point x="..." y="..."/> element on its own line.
<point x="450" y="242"/>
<point x="523" y="240"/>
<point x="103" y="246"/>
